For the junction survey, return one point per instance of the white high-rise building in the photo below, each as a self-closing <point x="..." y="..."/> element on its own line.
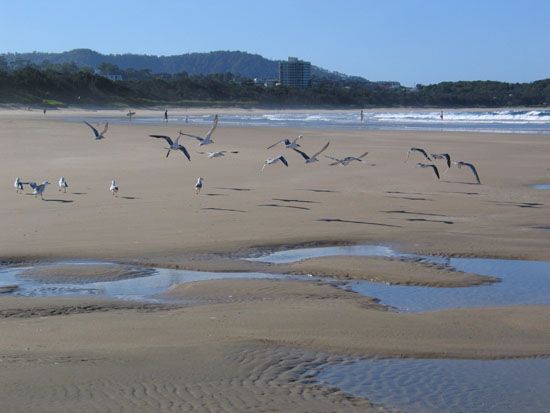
<point x="295" y="73"/>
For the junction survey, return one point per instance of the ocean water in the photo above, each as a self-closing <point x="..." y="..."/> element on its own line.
<point x="500" y="121"/>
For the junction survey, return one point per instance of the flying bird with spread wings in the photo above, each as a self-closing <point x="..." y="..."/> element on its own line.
<point x="174" y="145"/>
<point x="472" y="168"/>
<point x="206" y="140"/>
<point x="312" y="158"/>
<point x="347" y="160"/>
<point x="98" y="136"/>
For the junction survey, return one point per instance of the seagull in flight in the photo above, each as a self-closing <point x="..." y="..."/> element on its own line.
<point x="429" y="165"/>
<point x="62" y="184"/>
<point x="217" y="154"/>
<point x="445" y="156"/>
<point x="419" y="150"/>
<point x="208" y="138"/>
<point x="174" y="145"/>
<point x="460" y="164"/>
<point x="312" y="158"/>
<point x="39" y="189"/>
<point x="273" y="161"/>
<point x="114" y="188"/>
<point x="289" y="144"/>
<point x="347" y="160"/>
<point x="98" y="136"/>
<point x="198" y="185"/>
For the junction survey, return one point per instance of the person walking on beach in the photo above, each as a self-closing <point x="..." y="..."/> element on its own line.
<point x="166" y="115"/>
<point x="362" y="116"/>
<point x="441" y="115"/>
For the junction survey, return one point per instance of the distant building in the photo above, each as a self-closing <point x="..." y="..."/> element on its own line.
<point x="295" y="73"/>
<point x="111" y="76"/>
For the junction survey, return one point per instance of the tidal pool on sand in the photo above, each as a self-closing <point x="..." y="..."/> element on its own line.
<point x="443" y="385"/>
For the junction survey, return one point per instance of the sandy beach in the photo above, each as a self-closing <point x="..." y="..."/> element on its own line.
<point x="246" y="345"/>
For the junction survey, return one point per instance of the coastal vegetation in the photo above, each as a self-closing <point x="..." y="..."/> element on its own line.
<point x="52" y="84"/>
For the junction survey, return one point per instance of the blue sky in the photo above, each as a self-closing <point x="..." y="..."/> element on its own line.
<point x="415" y="41"/>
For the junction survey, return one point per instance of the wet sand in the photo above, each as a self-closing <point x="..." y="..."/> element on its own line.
<point x="249" y="351"/>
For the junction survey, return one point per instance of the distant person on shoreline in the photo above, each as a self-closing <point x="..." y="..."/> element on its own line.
<point x="362" y="115"/>
<point x="441" y="115"/>
<point x="186" y="119"/>
<point x="166" y="115"/>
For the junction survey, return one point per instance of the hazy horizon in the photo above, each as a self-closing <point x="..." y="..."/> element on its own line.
<point x="406" y="41"/>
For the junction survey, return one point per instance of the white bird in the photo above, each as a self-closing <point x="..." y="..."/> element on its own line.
<point x="39" y="189"/>
<point x="198" y="185"/>
<point x="419" y="150"/>
<point x="273" y="161"/>
<point x="98" y="135"/>
<point x="288" y="143"/>
<point x="460" y="164"/>
<point x="217" y="154"/>
<point x="18" y="184"/>
<point x="445" y="156"/>
<point x="312" y="158"/>
<point x="114" y="188"/>
<point x="62" y="184"/>
<point x="347" y="160"/>
<point x="429" y="165"/>
<point x="208" y="138"/>
<point x="174" y="145"/>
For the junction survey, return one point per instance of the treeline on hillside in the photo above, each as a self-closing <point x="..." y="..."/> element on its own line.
<point x="70" y="85"/>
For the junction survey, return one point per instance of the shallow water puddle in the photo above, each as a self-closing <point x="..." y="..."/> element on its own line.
<point x="523" y="282"/>
<point x="135" y="288"/>
<point x="442" y="385"/>
<point x="541" y="186"/>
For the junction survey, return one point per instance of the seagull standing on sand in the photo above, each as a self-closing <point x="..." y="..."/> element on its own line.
<point x="460" y="164"/>
<point x="198" y="185"/>
<point x="114" y="188"/>
<point x="429" y="165"/>
<point x="218" y="154"/>
<point x="18" y="184"/>
<point x="62" y="184"/>
<point x="419" y="150"/>
<point x="39" y="189"/>
<point x="208" y="138"/>
<point x="312" y="158"/>
<point x="98" y="135"/>
<point x="288" y="143"/>
<point x="174" y="145"/>
<point x="273" y="161"/>
<point x="347" y="160"/>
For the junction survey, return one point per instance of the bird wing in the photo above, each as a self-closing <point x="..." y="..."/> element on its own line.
<point x="422" y="151"/>
<point x="192" y="136"/>
<point x="275" y="144"/>
<point x="474" y="171"/>
<point x="304" y="155"/>
<point x="447" y="159"/>
<point x="336" y="160"/>
<point x="283" y="160"/>
<point x="185" y="152"/>
<point x="96" y="133"/>
<point x="105" y="128"/>
<point x="166" y="138"/>
<point x="324" y="148"/>
<point x="213" y="128"/>
<point x="362" y="156"/>
<point x="436" y="171"/>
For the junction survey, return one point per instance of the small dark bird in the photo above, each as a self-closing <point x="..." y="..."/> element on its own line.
<point x="419" y="150"/>
<point x="460" y="164"/>
<point x="429" y="165"/>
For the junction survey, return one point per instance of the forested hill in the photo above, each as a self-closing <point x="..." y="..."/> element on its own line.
<point x="235" y="62"/>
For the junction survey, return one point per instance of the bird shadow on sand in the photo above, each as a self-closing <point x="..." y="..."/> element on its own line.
<point x="283" y="206"/>
<point x="234" y="189"/>
<point x="461" y="193"/>
<point x="319" y="190"/>
<point x="129" y="197"/>
<point x="61" y="201"/>
<point x="517" y="204"/>
<point x="430" y="220"/>
<point x="302" y="201"/>
<point x="215" y="194"/>
<point x="460" y="182"/>
<point x="402" y="211"/>
<point x="79" y="193"/>
<point x="223" y="209"/>
<point x="406" y="193"/>
<point x="410" y="198"/>
<point x="348" y="221"/>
